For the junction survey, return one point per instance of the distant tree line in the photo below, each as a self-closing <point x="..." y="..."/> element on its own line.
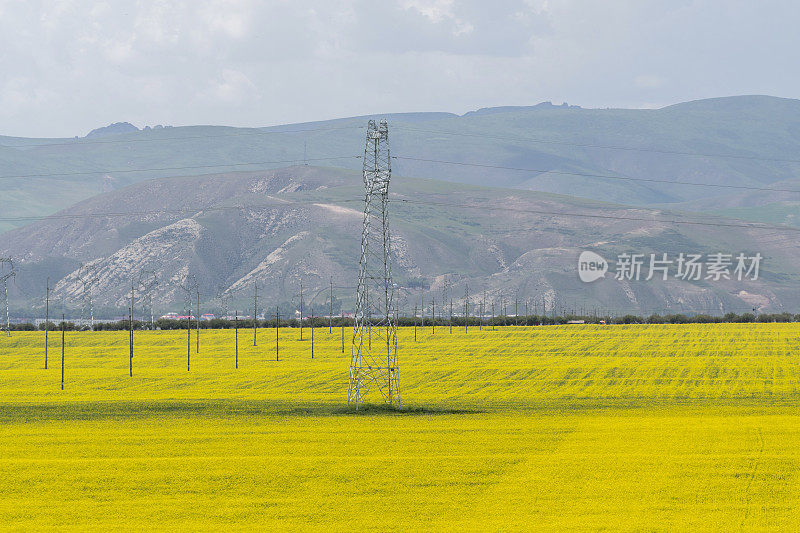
<point x="406" y="321"/>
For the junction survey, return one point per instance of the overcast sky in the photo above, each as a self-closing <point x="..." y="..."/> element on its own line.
<point x="69" y="66"/>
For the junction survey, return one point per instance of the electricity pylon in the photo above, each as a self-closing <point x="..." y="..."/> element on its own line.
<point x="374" y="364"/>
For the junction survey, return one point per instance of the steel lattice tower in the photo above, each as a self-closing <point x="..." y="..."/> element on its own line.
<point x="373" y="362"/>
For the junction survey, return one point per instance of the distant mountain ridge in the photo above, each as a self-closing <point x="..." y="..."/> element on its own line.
<point x="747" y="141"/>
<point x="116" y="128"/>
<point x="278" y="227"/>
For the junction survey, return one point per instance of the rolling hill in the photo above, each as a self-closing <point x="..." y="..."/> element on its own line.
<point x="747" y="141"/>
<point x="276" y="227"/>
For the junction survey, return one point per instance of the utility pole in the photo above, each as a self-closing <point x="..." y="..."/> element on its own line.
<point x="342" y="329"/>
<point x="312" y="333"/>
<point x="277" y="334"/>
<point x="130" y="327"/>
<point x="46" y="320"/>
<point x="191" y="286"/>
<point x="451" y="315"/>
<point x="466" y="308"/>
<point x="6" y="273"/>
<point x="492" y="315"/>
<point x="197" y="323"/>
<point x="446" y="294"/>
<point x="88" y="277"/>
<point x="130" y="341"/>
<point x="483" y="308"/>
<point x="301" y="309"/>
<point x="189" y="338"/>
<point x="415" y="323"/>
<point x="255" y="310"/>
<point x="433" y="315"/>
<point x="236" y="333"/>
<point x="8" y="315"/>
<point x="63" y="338"/>
<point x="330" y="311"/>
<point x="147" y="283"/>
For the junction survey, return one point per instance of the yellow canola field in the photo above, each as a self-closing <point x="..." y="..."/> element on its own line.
<point x="669" y="427"/>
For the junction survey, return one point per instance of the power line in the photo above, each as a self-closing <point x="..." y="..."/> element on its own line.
<point x="82" y="142"/>
<point x="193" y="167"/>
<point x="610" y="217"/>
<point x="603" y="176"/>
<point x="601" y="146"/>
<point x="459" y="163"/>
<point x="162" y="139"/>
<point x="110" y="214"/>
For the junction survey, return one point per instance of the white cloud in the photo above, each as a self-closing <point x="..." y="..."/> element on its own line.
<point x="230" y="87"/>
<point x="69" y="66"/>
<point x="649" y="81"/>
<point x="433" y="10"/>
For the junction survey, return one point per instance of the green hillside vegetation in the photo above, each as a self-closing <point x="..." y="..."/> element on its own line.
<point x="773" y="213"/>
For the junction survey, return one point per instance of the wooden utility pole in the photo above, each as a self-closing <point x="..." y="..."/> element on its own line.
<point x="312" y="333"/>
<point x="415" y="323"/>
<point x="330" y="311"/>
<point x="433" y="315"/>
<point x="342" y="329"/>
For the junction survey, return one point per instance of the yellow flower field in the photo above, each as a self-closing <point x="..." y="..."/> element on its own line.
<point x="660" y="427"/>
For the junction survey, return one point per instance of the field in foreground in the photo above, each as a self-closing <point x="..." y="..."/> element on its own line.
<point x="572" y="427"/>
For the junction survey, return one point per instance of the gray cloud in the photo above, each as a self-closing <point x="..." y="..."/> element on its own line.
<point x="68" y="66"/>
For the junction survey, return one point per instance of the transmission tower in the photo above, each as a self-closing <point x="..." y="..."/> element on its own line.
<point x="375" y="364"/>
<point x="6" y="272"/>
